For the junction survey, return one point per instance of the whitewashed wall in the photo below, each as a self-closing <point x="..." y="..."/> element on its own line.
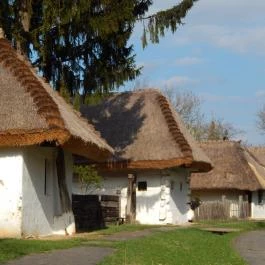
<point x="257" y="209"/>
<point x="11" y="164"/>
<point x="41" y="214"/>
<point x="26" y="207"/>
<point x="164" y="202"/>
<point x="166" y="198"/>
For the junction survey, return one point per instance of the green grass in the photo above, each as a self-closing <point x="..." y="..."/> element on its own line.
<point x="189" y="246"/>
<point x="14" y="248"/>
<point x="241" y="224"/>
<point x="179" y="246"/>
<point x="113" y="229"/>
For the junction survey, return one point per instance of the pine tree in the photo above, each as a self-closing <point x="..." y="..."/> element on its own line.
<point x="83" y="44"/>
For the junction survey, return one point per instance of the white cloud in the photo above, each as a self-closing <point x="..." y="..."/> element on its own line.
<point x="240" y="40"/>
<point x="178" y="81"/>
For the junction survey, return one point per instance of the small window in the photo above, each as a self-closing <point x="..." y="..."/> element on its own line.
<point x="142" y="185"/>
<point x="45" y="176"/>
<point x="260" y="196"/>
<point x="180" y="186"/>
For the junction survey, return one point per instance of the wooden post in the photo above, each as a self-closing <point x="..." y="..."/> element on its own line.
<point x="131" y="199"/>
<point x="2" y="34"/>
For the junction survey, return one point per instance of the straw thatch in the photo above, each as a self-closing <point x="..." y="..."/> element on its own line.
<point x="145" y="132"/>
<point x="259" y="153"/>
<point x="32" y="113"/>
<point x="235" y="168"/>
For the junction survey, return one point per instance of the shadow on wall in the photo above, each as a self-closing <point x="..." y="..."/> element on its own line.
<point x="179" y="194"/>
<point x="119" y="120"/>
<point x="43" y="211"/>
<point x="37" y="194"/>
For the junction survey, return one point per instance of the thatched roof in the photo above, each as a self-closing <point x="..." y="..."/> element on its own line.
<point x="145" y="132"/>
<point x="32" y="113"/>
<point x="259" y="153"/>
<point x="234" y="168"/>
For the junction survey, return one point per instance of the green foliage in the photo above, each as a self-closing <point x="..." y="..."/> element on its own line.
<point x="77" y="101"/>
<point x="96" y="98"/>
<point x="88" y="176"/>
<point x="164" y="20"/>
<point x="64" y="92"/>
<point x="84" y="43"/>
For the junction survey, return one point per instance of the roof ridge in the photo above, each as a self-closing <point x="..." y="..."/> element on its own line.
<point x="260" y="147"/>
<point x="173" y="126"/>
<point x="219" y="142"/>
<point x="46" y="106"/>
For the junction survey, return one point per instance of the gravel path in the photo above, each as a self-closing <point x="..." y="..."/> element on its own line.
<point x="73" y="256"/>
<point x="251" y="246"/>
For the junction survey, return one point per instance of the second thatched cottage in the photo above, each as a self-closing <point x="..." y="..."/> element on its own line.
<point x="235" y="186"/>
<point x="154" y="157"/>
<point x="38" y="134"/>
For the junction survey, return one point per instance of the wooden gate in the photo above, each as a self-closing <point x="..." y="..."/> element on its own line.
<point x="222" y="210"/>
<point x="94" y="212"/>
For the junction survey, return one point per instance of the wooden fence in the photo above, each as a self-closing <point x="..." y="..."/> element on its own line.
<point x="93" y="211"/>
<point x="222" y="210"/>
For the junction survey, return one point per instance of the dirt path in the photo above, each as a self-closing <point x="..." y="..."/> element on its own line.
<point x="73" y="256"/>
<point x="251" y="247"/>
<point x="83" y="255"/>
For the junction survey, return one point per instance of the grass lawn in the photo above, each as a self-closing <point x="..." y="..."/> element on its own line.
<point x="14" y="248"/>
<point x="189" y="246"/>
<point x="179" y="246"/>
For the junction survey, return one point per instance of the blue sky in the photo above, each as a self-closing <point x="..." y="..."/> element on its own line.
<point x="219" y="54"/>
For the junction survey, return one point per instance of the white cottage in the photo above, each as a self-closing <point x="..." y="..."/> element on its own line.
<point x="154" y="156"/>
<point x="38" y="134"/>
<point x="235" y="185"/>
<point x="258" y="196"/>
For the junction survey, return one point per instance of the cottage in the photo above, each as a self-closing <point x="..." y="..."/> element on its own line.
<point x="154" y="156"/>
<point x="258" y="197"/>
<point x="38" y="134"/>
<point x="231" y="189"/>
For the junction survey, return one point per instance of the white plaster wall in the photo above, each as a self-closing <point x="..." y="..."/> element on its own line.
<point x="40" y="213"/>
<point x="148" y="203"/>
<point x="166" y="198"/>
<point x="257" y="210"/>
<point x="37" y="206"/>
<point x="11" y="163"/>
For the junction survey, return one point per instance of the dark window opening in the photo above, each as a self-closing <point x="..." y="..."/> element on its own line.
<point x="142" y="185"/>
<point x="45" y="176"/>
<point x="260" y="196"/>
